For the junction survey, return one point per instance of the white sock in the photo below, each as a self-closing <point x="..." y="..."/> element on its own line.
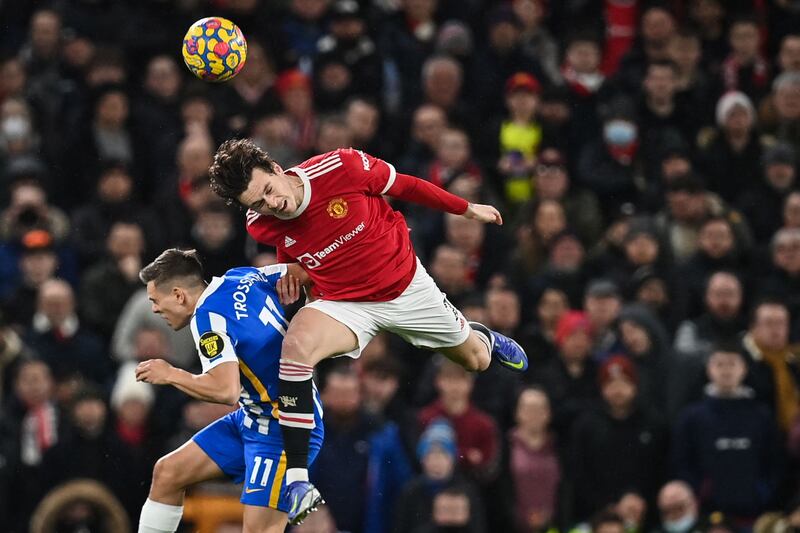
<point x="159" y="517"/>
<point x="296" y="474"/>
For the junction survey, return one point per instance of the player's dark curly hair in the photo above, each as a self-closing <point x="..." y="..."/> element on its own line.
<point x="233" y="166"/>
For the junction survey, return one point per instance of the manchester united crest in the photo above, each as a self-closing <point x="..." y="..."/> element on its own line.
<point x="337" y="208"/>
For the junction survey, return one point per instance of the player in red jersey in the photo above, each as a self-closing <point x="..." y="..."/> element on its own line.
<point x="329" y="214"/>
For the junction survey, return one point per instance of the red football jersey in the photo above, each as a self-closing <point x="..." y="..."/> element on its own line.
<point x="351" y="242"/>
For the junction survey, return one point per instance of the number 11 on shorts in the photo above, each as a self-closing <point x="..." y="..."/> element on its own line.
<point x="267" y="469"/>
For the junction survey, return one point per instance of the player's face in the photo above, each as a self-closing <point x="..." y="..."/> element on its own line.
<point x="270" y="194"/>
<point x="170" y="305"/>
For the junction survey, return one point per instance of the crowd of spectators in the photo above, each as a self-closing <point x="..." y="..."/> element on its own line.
<point x="644" y="156"/>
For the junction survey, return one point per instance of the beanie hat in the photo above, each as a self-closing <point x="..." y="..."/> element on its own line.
<point x="569" y="323"/>
<point x="439" y="433"/>
<point x="729" y="101"/>
<point x="127" y="388"/>
<point x="617" y="366"/>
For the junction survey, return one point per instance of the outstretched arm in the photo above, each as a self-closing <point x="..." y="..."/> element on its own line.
<point x="418" y="191"/>
<point x="218" y="385"/>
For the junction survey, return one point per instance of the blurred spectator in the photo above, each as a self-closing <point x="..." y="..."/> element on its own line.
<point x="762" y="202"/>
<point x="107" y="285"/>
<point x="721" y="322"/>
<point x="618" y="448"/>
<point x="32" y="421"/>
<point x="611" y="166"/>
<point x="452" y="510"/>
<point x="644" y="340"/>
<point x="437" y="455"/>
<point x="116" y="200"/>
<point x="717" y="250"/>
<point x="607" y="522"/>
<point x="296" y="96"/>
<point x="38" y="263"/>
<point x="453" y="158"/>
<point x="783" y="122"/>
<point x="518" y="138"/>
<point x="661" y="114"/>
<point x="538" y="339"/>
<point x="132" y="404"/>
<point x="157" y="115"/>
<point x="695" y="85"/>
<point x="382" y="397"/>
<point x="689" y="204"/>
<point x="602" y="304"/>
<point x="363" y="118"/>
<point x="60" y="340"/>
<point x="551" y="181"/>
<point x="731" y="154"/>
<point x="745" y="69"/>
<point x="772" y="364"/>
<point x="678" y="508"/>
<point x="108" y="136"/>
<point x="253" y="91"/>
<point x="332" y="133"/>
<point x="359" y="453"/>
<point x="534" y="463"/>
<point x="791" y="210"/>
<point x="29" y="209"/>
<point x="544" y="221"/>
<point x="80" y="505"/>
<point x="12" y="79"/>
<point x="570" y="380"/>
<point x="783" y="272"/>
<point x="13" y="352"/>
<point x="450" y="268"/>
<point x="347" y="47"/>
<point x="477" y="434"/>
<point x="428" y="123"/>
<point x="483" y="246"/>
<point x="775" y="521"/>
<point x="273" y="133"/>
<point x="709" y="17"/>
<point x="727" y="446"/>
<point x="565" y="266"/>
<point x="408" y="39"/>
<point x="632" y="509"/>
<point x="502" y="56"/>
<point x="587" y="86"/>
<point x="216" y="238"/>
<point x="537" y="40"/>
<point x="91" y="450"/>
<point x="442" y="82"/>
<point x="302" y="28"/>
<point x="656" y="29"/>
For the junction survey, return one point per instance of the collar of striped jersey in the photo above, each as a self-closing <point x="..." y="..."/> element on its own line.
<point x="306" y="194"/>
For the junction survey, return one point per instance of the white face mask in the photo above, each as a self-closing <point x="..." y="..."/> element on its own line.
<point x="681" y="525"/>
<point x="619" y="132"/>
<point x="15" y="127"/>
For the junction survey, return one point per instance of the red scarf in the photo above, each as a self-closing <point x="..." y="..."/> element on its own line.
<point x="575" y="82"/>
<point x="730" y="72"/>
<point x="621" y="17"/>
<point x="624" y="154"/>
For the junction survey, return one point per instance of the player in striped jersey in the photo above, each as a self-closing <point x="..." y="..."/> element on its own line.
<point x="238" y="325"/>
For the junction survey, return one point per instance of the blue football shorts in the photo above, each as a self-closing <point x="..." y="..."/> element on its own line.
<point x="247" y="456"/>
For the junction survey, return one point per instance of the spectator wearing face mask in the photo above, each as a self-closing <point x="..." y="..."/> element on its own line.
<point x="611" y="166"/>
<point x="678" y="509"/>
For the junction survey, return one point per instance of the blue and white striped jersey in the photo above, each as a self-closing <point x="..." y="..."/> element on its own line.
<point x="239" y="318"/>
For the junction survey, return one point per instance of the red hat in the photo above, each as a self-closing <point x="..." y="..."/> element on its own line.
<point x="617" y="366"/>
<point x="522" y="81"/>
<point x="569" y="323"/>
<point x="291" y="79"/>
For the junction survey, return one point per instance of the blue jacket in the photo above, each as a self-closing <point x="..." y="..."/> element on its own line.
<point x="728" y="450"/>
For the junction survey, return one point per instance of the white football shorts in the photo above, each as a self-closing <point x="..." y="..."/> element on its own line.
<point x="422" y="316"/>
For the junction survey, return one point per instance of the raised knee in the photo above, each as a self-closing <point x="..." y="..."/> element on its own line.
<point x="299" y="347"/>
<point x="167" y="475"/>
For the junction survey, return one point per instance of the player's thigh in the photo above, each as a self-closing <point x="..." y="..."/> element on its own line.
<point x="186" y="466"/>
<point x="263" y="520"/>
<point x="314" y="335"/>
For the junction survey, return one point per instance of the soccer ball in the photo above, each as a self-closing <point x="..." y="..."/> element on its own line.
<point x="214" y="49"/>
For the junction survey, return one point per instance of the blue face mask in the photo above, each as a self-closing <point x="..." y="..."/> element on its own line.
<point x="619" y="133"/>
<point x="681" y="525"/>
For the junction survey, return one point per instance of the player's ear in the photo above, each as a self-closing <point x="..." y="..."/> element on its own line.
<point x="278" y="168"/>
<point x="179" y="294"/>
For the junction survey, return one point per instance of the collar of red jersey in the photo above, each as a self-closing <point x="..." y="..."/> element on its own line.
<point x="306" y="194"/>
